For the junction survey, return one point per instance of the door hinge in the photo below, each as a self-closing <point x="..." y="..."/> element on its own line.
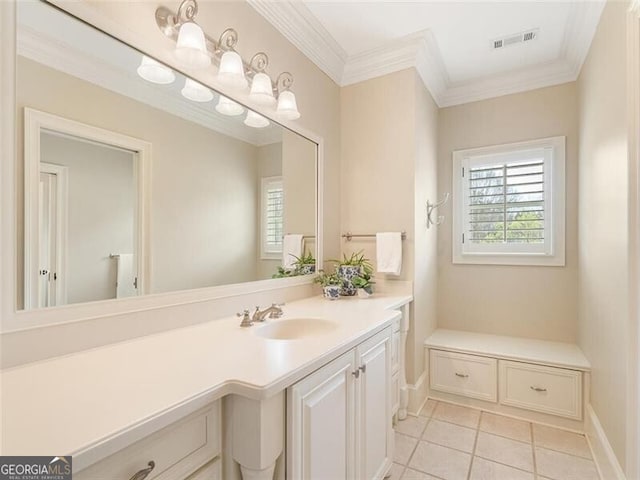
<point x="462" y="172"/>
<point x="55" y="276"/>
<point x="463" y="238"/>
<point x="135" y="283"/>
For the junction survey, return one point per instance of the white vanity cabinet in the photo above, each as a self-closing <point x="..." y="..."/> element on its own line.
<point x="339" y="417"/>
<point x="186" y="450"/>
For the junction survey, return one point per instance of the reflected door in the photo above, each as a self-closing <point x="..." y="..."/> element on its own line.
<point x="52" y="211"/>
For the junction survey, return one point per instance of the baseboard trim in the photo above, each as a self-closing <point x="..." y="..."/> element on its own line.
<point x="418" y="393"/>
<point x="606" y="460"/>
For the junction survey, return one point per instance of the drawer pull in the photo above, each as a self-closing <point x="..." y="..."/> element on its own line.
<point x="356" y="373"/>
<point x="538" y="389"/>
<point x="144" y="473"/>
<point x="462" y="375"/>
<point x="363" y="369"/>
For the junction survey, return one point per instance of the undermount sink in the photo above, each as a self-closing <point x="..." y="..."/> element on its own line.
<point x="295" y="328"/>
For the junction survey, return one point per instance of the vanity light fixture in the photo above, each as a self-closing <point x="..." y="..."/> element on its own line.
<point x="226" y="106"/>
<point x="154" y="72"/>
<point x="255" y="120"/>
<point x="192" y="45"/>
<point x="287" y="105"/>
<point x="196" y="92"/>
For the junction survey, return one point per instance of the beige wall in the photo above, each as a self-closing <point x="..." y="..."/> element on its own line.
<point x="534" y="302"/>
<point x="604" y="245"/>
<point x="269" y="165"/>
<point x="101" y="210"/>
<point x="388" y="171"/>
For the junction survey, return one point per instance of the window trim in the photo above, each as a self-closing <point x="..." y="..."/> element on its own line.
<point x="265" y="182"/>
<point x="554" y="172"/>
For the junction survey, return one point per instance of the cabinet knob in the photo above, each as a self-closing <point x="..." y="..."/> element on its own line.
<point x="363" y="369"/>
<point x="144" y="473"/>
<point x="537" y="389"/>
<point x="462" y="375"/>
<point x="356" y="373"/>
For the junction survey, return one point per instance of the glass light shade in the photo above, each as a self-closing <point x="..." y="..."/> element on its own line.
<point x="287" y="106"/>
<point x="255" y="120"/>
<point x="231" y="71"/>
<point x="261" y="90"/>
<point x="226" y="106"/>
<point x="191" y="48"/>
<point x="196" y="92"/>
<point x="155" y="72"/>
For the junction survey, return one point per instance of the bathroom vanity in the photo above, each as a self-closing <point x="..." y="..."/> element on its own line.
<point x="195" y="399"/>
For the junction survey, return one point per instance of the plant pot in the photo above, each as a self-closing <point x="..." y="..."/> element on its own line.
<point x="307" y="269"/>
<point x="346" y="273"/>
<point x="331" y="292"/>
<point x="362" y="293"/>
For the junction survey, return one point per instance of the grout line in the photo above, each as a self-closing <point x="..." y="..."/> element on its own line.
<point x="491" y="460"/>
<point x="475" y="445"/>
<point x="533" y="451"/>
<point x="565" y="453"/>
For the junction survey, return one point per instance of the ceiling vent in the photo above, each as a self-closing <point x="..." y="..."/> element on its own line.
<point x="515" y="39"/>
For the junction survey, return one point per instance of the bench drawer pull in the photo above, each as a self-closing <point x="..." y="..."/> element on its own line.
<point x="538" y="389"/>
<point x="462" y="375"/>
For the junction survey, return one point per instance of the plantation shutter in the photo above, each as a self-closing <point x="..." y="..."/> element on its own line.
<point x="273" y="215"/>
<point x="507" y="202"/>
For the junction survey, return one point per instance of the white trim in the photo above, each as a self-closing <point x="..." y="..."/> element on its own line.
<point x="418" y="393"/>
<point x="34" y="122"/>
<point x="605" y="459"/>
<point x="298" y="25"/>
<point x="62" y="214"/>
<point x="554" y="255"/>
<point x="265" y="183"/>
<point x="296" y="22"/>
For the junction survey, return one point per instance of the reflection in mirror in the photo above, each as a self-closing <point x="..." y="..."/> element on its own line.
<point x="139" y="180"/>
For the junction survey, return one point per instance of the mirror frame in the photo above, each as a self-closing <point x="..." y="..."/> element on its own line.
<point x="14" y="320"/>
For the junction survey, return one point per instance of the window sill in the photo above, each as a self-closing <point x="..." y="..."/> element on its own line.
<point x="530" y="260"/>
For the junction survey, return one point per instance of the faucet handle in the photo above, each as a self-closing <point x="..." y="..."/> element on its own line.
<point x="276" y="311"/>
<point x="246" y="319"/>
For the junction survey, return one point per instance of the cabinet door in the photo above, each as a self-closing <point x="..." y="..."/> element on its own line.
<point x="321" y="423"/>
<point x="374" y="440"/>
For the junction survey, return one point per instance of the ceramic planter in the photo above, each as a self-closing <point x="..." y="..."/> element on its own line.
<point x="346" y="273"/>
<point x="307" y="269"/>
<point x="332" y="292"/>
<point x="362" y="293"/>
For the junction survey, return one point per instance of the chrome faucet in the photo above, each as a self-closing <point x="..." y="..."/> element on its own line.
<point x="274" y="311"/>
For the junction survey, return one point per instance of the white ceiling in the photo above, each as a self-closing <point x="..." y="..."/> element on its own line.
<point x="448" y="42"/>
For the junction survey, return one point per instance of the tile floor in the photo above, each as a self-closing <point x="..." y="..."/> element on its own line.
<point x="450" y="442"/>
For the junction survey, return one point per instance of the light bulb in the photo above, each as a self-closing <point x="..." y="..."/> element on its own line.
<point x="191" y="48"/>
<point x="226" y="106"/>
<point x="287" y="106"/>
<point x="231" y="71"/>
<point x="196" y="92"/>
<point x="261" y="90"/>
<point x="154" y="72"/>
<point x="255" y="120"/>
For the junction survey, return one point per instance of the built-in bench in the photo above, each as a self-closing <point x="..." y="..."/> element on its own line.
<point x="541" y="381"/>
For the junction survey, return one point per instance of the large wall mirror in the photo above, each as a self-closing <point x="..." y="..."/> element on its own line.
<point x="136" y="187"/>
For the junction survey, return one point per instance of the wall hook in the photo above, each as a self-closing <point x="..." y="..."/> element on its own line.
<point x="431" y="207"/>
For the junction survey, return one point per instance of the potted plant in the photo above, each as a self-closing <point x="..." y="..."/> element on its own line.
<point x="364" y="284"/>
<point x="305" y="264"/>
<point x="352" y="266"/>
<point x="331" y="284"/>
<point x="283" y="273"/>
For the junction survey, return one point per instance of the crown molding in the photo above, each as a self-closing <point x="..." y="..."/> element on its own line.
<point x="298" y="25"/>
<point x="420" y="51"/>
<point x="44" y="49"/>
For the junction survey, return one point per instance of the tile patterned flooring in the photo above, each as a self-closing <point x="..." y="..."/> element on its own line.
<point x="450" y="442"/>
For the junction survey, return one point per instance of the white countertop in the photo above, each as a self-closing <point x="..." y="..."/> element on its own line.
<point x="558" y="354"/>
<point x="89" y="403"/>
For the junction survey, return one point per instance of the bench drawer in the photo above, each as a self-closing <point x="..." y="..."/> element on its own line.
<point x="469" y="375"/>
<point x="553" y="390"/>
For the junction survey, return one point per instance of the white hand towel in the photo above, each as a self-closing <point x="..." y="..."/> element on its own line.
<point x="125" y="276"/>
<point x="389" y="252"/>
<point x="291" y="248"/>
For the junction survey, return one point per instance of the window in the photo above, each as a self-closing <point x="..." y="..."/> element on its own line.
<point x="272" y="217"/>
<point x="508" y="204"/>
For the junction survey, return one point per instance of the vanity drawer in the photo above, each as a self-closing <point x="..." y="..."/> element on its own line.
<point x="553" y="390"/>
<point x="461" y="374"/>
<point x="211" y="471"/>
<point x="177" y="450"/>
